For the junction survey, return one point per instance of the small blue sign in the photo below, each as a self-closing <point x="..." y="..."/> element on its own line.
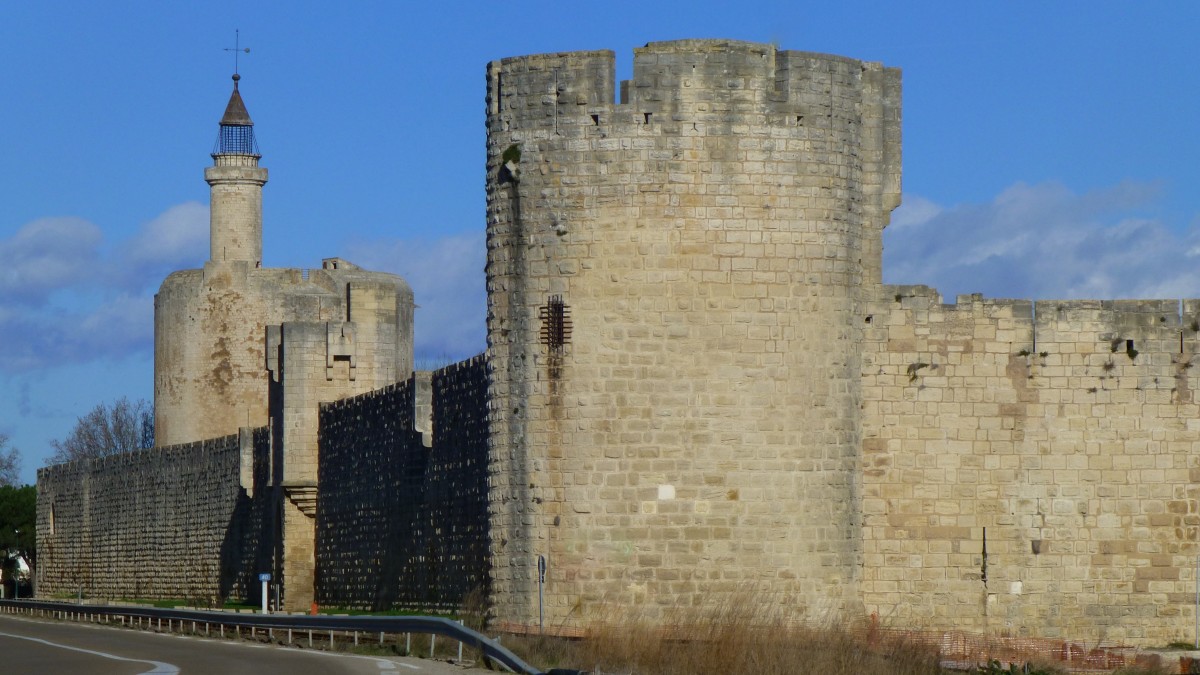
<point x="265" y="576"/>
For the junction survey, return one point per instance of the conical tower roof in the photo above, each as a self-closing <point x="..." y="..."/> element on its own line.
<point x="235" y="113"/>
<point x="237" y="129"/>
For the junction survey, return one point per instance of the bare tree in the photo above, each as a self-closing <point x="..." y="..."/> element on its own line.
<point x="107" y="430"/>
<point x="10" y="462"/>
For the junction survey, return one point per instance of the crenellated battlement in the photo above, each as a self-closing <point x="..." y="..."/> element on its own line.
<point x="1166" y="326"/>
<point x="685" y="80"/>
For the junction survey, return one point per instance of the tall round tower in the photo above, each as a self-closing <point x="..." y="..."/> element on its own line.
<point x="675" y="293"/>
<point x="212" y="364"/>
<point x="210" y="375"/>
<point x="236" y="192"/>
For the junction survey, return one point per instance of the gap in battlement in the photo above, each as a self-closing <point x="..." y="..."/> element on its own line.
<point x="623" y="72"/>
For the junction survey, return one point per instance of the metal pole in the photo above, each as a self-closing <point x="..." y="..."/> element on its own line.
<point x="265" y="580"/>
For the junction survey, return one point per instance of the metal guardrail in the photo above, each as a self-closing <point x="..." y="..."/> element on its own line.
<point x="430" y="625"/>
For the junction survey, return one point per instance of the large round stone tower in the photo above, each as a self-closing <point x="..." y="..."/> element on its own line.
<point x="676" y="288"/>
<point x="214" y="357"/>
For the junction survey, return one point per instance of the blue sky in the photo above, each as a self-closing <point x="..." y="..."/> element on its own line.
<point x="1049" y="152"/>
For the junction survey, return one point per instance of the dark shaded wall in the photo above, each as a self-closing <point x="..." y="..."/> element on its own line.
<point x="171" y="522"/>
<point x="402" y="520"/>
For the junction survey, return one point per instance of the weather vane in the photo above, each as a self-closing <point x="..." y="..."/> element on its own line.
<point x="237" y="48"/>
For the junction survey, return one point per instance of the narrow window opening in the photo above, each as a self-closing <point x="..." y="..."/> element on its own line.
<point x="869" y="317"/>
<point x="1129" y="345"/>
<point x="596" y="120"/>
<point x="647" y="116"/>
<point x="498" y="89"/>
<point x="983" y="564"/>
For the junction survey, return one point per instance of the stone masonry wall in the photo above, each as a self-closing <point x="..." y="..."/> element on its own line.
<point x="210" y="354"/>
<point x="1058" y="436"/>
<point x="675" y="289"/>
<point x="170" y="522"/>
<point x="402" y="516"/>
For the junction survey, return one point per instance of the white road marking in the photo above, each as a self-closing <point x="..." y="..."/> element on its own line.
<point x="160" y="668"/>
<point x="384" y="664"/>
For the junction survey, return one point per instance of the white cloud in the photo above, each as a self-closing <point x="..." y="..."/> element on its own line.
<point x="1044" y="242"/>
<point x="447" y="279"/>
<point x="178" y="238"/>
<point x="124" y="323"/>
<point x="45" y="256"/>
<point x="51" y="337"/>
<point x="913" y="211"/>
<point x="69" y="297"/>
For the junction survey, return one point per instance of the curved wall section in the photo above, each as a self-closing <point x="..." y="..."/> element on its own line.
<point x="676" y="287"/>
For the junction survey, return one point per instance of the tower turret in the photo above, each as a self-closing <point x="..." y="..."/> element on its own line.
<point x="676" y="289"/>
<point x="236" y="180"/>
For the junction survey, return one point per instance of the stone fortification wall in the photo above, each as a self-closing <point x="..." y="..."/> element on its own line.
<point x="1057" y="436"/>
<point x="675" y="293"/>
<point x="170" y="522"/>
<point x="402" y="515"/>
<point x="210" y="347"/>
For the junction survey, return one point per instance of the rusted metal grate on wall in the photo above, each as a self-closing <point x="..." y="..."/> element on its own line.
<point x="556" y="323"/>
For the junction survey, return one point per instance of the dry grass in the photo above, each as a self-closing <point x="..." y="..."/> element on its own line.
<point x="739" y="637"/>
<point x="752" y="634"/>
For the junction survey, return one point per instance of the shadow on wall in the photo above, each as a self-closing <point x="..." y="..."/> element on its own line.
<point x="402" y="522"/>
<point x="252" y="538"/>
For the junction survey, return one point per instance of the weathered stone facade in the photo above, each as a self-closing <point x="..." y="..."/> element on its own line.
<point x="403" y="515"/>
<point x="170" y="522"/>
<point x="1060" y="437"/>
<point x="714" y="238"/>
<point x="695" y="386"/>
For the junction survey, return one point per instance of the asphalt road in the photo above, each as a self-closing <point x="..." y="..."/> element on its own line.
<point x="41" y="646"/>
